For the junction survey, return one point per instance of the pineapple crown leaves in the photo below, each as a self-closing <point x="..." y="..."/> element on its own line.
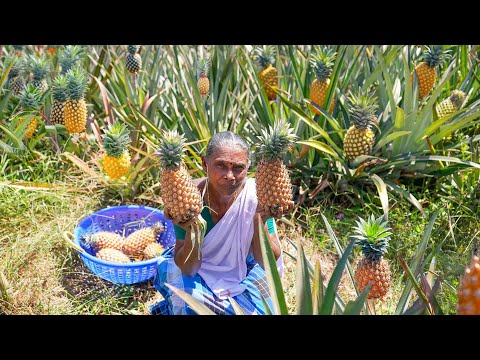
<point x="170" y="150"/>
<point x="38" y="66"/>
<point x="76" y="83"/>
<point x="31" y="98"/>
<point x="435" y="55"/>
<point x="116" y="139"/>
<point x="276" y="141"/>
<point x="18" y="47"/>
<point x="15" y="69"/>
<point x="265" y="55"/>
<point x="59" y="88"/>
<point x="202" y="67"/>
<point x="133" y="49"/>
<point x="373" y="236"/>
<point x="322" y="63"/>
<point x="69" y="58"/>
<point x="362" y="108"/>
<point x="457" y="97"/>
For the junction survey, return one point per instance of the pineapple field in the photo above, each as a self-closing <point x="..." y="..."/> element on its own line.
<point x="376" y="146"/>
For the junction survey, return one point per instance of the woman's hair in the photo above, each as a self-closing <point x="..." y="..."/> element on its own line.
<point x="227" y="139"/>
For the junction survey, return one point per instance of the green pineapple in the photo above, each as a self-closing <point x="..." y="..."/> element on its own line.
<point x="59" y="94"/>
<point x="360" y="138"/>
<point x="116" y="161"/>
<point x="16" y="82"/>
<point x="133" y="61"/>
<point x="39" y="67"/>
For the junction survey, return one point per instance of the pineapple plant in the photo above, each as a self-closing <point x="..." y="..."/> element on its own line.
<point x="104" y="240"/>
<point x="75" y="108"/>
<point x="360" y="138"/>
<point x="469" y="290"/>
<point x="322" y="64"/>
<point x="136" y="242"/>
<point x="59" y="95"/>
<point x="116" y="161"/>
<point x="373" y="236"/>
<point x="112" y="255"/>
<point x="39" y="68"/>
<point x="451" y="104"/>
<point x="69" y="58"/>
<point x="427" y="70"/>
<point x="133" y="60"/>
<point x="30" y="102"/>
<point x="273" y="185"/>
<point x="203" y="83"/>
<point x="152" y="250"/>
<point x="265" y="57"/>
<point x="16" y="82"/>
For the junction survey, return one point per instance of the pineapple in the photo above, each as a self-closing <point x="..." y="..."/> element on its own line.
<point x="426" y="70"/>
<point x="265" y="57"/>
<point x="113" y="255"/>
<point x="451" y="104"/>
<point x="322" y="63"/>
<point x="373" y="236"/>
<point x="75" y="108"/>
<point x="469" y="290"/>
<point x="152" y="250"/>
<point x="30" y="101"/>
<point x="178" y="192"/>
<point x="39" y="68"/>
<point x="104" y="240"/>
<point x="70" y="57"/>
<point x="59" y="94"/>
<point x="136" y="242"/>
<point x="274" y="188"/>
<point x="360" y="138"/>
<point x="116" y="161"/>
<point x="133" y="61"/>
<point x="203" y="82"/>
<point x="16" y="82"/>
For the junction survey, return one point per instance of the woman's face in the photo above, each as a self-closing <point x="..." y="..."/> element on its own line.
<point x="226" y="169"/>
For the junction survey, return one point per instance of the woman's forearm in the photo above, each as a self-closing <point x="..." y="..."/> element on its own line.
<point x="256" y="247"/>
<point x="187" y="255"/>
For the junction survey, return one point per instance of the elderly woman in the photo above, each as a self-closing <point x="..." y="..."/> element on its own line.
<point x="230" y="263"/>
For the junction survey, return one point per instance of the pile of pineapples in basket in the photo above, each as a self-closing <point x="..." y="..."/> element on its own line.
<point x="138" y="246"/>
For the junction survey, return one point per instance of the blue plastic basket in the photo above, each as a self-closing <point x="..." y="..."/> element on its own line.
<point x="119" y="219"/>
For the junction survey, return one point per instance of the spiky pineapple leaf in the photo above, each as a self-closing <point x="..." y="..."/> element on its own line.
<point x="303" y="290"/>
<point x="236" y="307"/>
<point x="407" y="195"/>
<point x="196" y="305"/>
<point x="382" y="192"/>
<point x="355" y="307"/>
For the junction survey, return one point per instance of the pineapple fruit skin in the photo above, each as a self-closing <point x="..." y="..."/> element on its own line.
<point x="107" y="240"/>
<point x="16" y="85"/>
<point x="318" y="92"/>
<point x="203" y="86"/>
<point x="152" y="250"/>
<point x="58" y="113"/>
<point x="180" y="195"/>
<point x="274" y="188"/>
<point x="269" y="77"/>
<point x="133" y="63"/>
<point x="112" y="255"/>
<point x="31" y="127"/>
<point x="358" y="142"/>
<point x="376" y="271"/>
<point x="469" y="290"/>
<point x="136" y="243"/>
<point x="426" y="77"/>
<point x="116" y="167"/>
<point x="75" y="116"/>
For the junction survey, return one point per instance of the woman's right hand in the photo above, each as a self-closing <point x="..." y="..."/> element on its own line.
<point x="184" y="225"/>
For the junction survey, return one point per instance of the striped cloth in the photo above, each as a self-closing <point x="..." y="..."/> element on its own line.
<point x="250" y="300"/>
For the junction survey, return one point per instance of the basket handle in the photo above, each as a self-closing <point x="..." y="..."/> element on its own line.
<point x="68" y="236"/>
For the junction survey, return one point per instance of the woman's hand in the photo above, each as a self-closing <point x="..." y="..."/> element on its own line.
<point x="266" y="212"/>
<point x="184" y="225"/>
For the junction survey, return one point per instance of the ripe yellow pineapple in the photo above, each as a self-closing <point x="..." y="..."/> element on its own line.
<point x="203" y="83"/>
<point x="322" y="64"/>
<point x="104" y="240"/>
<point x="113" y="255"/>
<point x="373" y="236"/>
<point x="30" y="103"/>
<point x="116" y="161"/>
<point x="75" y="108"/>
<point x="152" y="250"/>
<point x="469" y="289"/>
<point x="136" y="242"/>
<point x="451" y="104"/>
<point x="59" y="94"/>
<point x="265" y="57"/>
<point x="133" y="60"/>
<point x="427" y="70"/>
<point x="274" y="188"/>
<point x="360" y="138"/>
